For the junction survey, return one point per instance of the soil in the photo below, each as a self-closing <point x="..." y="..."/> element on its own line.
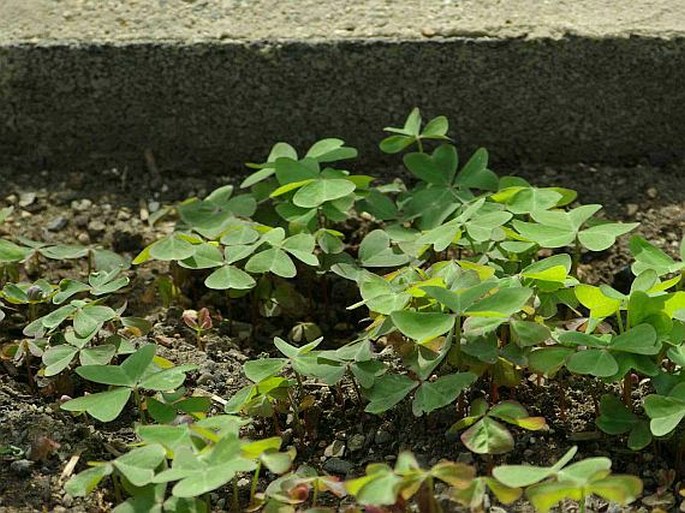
<point x="110" y="209"/>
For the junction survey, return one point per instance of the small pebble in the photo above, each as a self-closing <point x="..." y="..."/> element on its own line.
<point x="338" y="466"/>
<point x="81" y="221"/>
<point x="123" y="215"/>
<point x="356" y="442"/>
<point x="26" y="198"/>
<point x="96" y="228"/>
<point x="81" y="205"/>
<point x="21" y="467"/>
<point x="335" y="450"/>
<point x="465" y="457"/>
<point x="427" y="31"/>
<point x="57" y="224"/>
<point x="205" y="378"/>
<point x="382" y="437"/>
<point x="652" y="192"/>
<point x="67" y="501"/>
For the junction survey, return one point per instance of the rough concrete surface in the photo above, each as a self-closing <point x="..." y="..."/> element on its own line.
<point x="49" y="21"/>
<point x="210" y="84"/>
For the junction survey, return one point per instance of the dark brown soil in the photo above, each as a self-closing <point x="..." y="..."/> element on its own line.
<point x="111" y="209"/>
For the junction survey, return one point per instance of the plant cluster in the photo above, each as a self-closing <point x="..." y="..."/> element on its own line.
<point x="471" y="281"/>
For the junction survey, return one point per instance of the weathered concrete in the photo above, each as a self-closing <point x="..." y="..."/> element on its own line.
<point x="208" y="85"/>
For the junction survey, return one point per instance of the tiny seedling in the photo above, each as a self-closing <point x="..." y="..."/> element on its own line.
<point x="385" y="486"/>
<point x="547" y="486"/>
<point x="299" y="487"/>
<point x="200" y="322"/>
<point x="198" y="458"/>
<point x="140" y="371"/>
<point x="486" y="434"/>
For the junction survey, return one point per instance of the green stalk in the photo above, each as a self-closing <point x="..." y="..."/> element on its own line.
<point x="627" y="382"/>
<point x="315" y="496"/>
<point x="255" y="481"/>
<point x="117" y="488"/>
<point x="235" y="503"/>
<point x="576" y="259"/>
<point x="581" y="504"/>
<point x="354" y="386"/>
<point x="296" y="413"/>
<point x="300" y="386"/>
<point x="418" y="141"/>
<point x="619" y="321"/>
<point x="139" y="405"/>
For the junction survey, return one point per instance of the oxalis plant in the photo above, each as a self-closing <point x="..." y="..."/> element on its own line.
<point x="175" y="467"/>
<point x="71" y="321"/>
<point x="469" y="284"/>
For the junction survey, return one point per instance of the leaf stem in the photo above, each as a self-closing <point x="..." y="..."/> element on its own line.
<point x="255" y="482"/>
<point x="139" y="405"/>
<point x="315" y="496"/>
<point x="619" y="321"/>
<point x="235" y="502"/>
<point x="576" y="258"/>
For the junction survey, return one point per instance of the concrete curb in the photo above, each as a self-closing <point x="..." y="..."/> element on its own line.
<point x="210" y="106"/>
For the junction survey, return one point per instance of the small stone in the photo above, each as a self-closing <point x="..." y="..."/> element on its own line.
<point x="356" y="442"/>
<point x="335" y="450"/>
<point x="287" y="437"/>
<point x="153" y="206"/>
<point x="652" y="192"/>
<point x="658" y="499"/>
<point x="83" y="238"/>
<point x="57" y="224"/>
<point x="465" y="457"/>
<point x="243" y="482"/>
<point x="382" y="437"/>
<point x="427" y="31"/>
<point x="496" y="509"/>
<point x="81" y="205"/>
<point x="21" y="467"/>
<point x="26" y="198"/>
<point x="12" y="199"/>
<point x="205" y="378"/>
<point x="96" y="228"/>
<point x="631" y="209"/>
<point x="123" y="215"/>
<point x="80" y="221"/>
<point x="338" y="466"/>
<point x="67" y="501"/>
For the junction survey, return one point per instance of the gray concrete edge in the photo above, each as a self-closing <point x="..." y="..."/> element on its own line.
<point x="209" y="107"/>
